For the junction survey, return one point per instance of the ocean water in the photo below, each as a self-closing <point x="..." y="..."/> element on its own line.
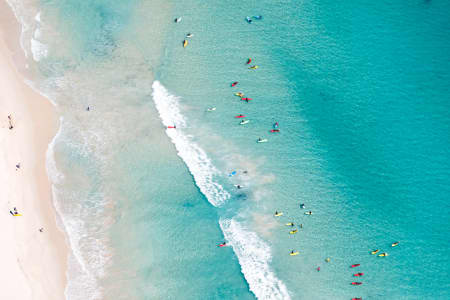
<point x="361" y="94"/>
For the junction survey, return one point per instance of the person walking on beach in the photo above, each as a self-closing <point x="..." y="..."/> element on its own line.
<point x="14" y="212"/>
<point x="10" y="122"/>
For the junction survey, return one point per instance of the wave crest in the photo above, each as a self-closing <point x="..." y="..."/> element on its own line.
<point x="254" y="257"/>
<point x="192" y="154"/>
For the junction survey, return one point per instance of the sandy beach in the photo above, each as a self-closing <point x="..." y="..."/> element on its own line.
<point x="33" y="261"/>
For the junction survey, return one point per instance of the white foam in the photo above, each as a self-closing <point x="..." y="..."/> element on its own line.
<point x="38" y="50"/>
<point x="37" y="33"/>
<point x="195" y="157"/>
<point x="82" y="283"/>
<point x="254" y="257"/>
<point x="38" y="17"/>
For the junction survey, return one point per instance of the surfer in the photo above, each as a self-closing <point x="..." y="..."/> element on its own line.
<point x="172" y="127"/>
<point x="302" y="205"/>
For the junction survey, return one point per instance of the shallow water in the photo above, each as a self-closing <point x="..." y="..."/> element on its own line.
<point x="360" y="91"/>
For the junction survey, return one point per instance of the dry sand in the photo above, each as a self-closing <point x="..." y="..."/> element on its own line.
<point x="33" y="263"/>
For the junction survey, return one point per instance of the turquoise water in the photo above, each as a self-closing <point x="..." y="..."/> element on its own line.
<point x="360" y="91"/>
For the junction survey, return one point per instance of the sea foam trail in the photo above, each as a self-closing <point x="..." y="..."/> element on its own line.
<point x="252" y="252"/>
<point x="254" y="257"/>
<point x="195" y="157"/>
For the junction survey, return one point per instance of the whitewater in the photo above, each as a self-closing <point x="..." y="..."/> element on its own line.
<point x="253" y="253"/>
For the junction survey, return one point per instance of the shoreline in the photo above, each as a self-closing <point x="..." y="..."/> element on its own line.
<point x="34" y="263"/>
